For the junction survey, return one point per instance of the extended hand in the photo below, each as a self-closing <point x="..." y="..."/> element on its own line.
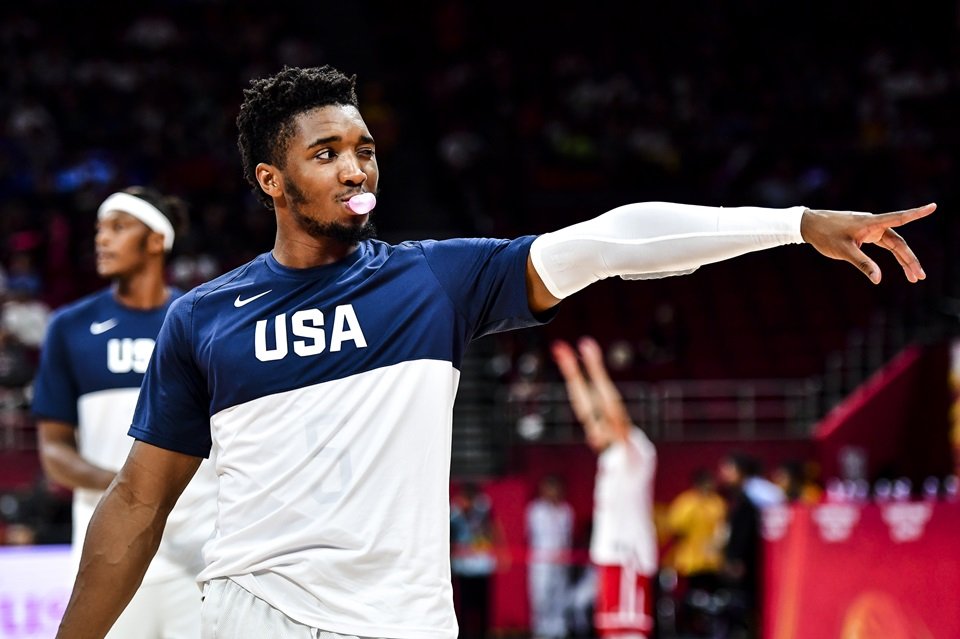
<point x="595" y="400"/>
<point x="840" y="234"/>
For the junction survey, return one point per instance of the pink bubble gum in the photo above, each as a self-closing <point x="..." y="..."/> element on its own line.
<point x="363" y="203"/>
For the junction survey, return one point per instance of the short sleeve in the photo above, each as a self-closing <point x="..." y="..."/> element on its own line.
<point x="55" y="388"/>
<point x="173" y="408"/>
<point x="486" y="281"/>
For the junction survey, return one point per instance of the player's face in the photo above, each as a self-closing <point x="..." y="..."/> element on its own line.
<point x="121" y="244"/>
<point x="330" y="158"/>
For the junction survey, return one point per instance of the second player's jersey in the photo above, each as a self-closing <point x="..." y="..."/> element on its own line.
<point x="623" y="529"/>
<point x="93" y="361"/>
<point x="324" y="397"/>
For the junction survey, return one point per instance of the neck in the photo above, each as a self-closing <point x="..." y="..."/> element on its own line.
<point x="295" y="248"/>
<point x="143" y="290"/>
<point x="310" y="253"/>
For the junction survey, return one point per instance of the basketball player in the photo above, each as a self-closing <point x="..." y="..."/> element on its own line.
<point x="320" y="379"/>
<point x="623" y="544"/>
<point x="92" y="363"/>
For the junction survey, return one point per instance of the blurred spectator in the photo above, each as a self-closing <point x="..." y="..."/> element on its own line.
<point x="23" y="276"/>
<point x="744" y="470"/>
<point x="25" y="317"/>
<point x="695" y="520"/>
<point x="16" y="368"/>
<point x="550" y="535"/>
<point x="741" y="551"/>
<point x="791" y="478"/>
<point x="37" y="515"/>
<point x="475" y="545"/>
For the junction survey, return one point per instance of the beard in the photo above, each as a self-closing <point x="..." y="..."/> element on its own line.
<point x="337" y="231"/>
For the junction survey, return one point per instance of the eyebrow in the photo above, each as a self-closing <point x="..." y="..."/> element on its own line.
<point x="364" y="139"/>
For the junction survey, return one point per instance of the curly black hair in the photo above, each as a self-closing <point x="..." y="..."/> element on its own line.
<point x="271" y="103"/>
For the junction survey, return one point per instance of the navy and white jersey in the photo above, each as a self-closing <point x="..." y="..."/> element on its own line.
<point x="92" y="363"/>
<point x="324" y="397"/>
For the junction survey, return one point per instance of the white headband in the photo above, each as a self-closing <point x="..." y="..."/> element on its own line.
<point x="143" y="211"/>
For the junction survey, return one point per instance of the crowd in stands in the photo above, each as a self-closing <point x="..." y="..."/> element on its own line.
<point x="539" y="126"/>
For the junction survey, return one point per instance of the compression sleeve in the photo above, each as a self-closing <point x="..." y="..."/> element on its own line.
<point x="656" y="239"/>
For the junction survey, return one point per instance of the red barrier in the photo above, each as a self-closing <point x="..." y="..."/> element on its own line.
<point x="897" y="419"/>
<point x="848" y="571"/>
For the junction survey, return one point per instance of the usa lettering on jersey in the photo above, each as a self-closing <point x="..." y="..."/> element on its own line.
<point x="129" y="355"/>
<point x="308" y="324"/>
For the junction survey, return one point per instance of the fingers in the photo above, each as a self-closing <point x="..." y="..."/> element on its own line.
<point x="566" y="359"/>
<point x="892" y="241"/>
<point x="593" y="360"/>
<point x="859" y="259"/>
<point x="899" y="218"/>
<point x="608" y="397"/>
<point x="595" y="400"/>
<point x="578" y="389"/>
<point x="878" y="229"/>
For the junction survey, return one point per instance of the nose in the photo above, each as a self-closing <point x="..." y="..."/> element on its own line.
<point x="350" y="172"/>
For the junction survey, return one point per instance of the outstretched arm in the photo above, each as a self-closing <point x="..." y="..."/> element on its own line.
<point x="654" y="239"/>
<point x="123" y="536"/>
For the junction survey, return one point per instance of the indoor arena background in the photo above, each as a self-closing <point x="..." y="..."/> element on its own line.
<point x="507" y="118"/>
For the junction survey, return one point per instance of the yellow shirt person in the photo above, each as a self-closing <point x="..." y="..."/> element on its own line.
<point x="695" y="519"/>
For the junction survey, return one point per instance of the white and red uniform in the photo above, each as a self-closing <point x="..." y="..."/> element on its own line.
<point x="624" y="540"/>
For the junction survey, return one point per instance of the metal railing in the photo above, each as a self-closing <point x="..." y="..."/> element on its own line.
<point x="675" y="410"/>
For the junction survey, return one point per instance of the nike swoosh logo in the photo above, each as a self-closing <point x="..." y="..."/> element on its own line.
<point x="102" y="327"/>
<point x="239" y="302"/>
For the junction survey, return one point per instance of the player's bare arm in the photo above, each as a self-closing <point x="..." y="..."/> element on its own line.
<point x="123" y="537"/>
<point x="62" y="461"/>
<point x="539" y="298"/>
<point x="656" y="239"/>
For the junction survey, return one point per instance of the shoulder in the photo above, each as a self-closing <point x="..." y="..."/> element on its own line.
<point x="81" y="310"/>
<point x="638" y="440"/>
<point x="468" y="244"/>
<point x="186" y="303"/>
<point x="250" y="269"/>
<point x="175" y="293"/>
<point x="476" y="256"/>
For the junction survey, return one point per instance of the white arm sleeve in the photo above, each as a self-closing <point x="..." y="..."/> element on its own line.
<point x="656" y="239"/>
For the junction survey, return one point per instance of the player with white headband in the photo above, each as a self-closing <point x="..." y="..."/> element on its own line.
<point x="140" y="208"/>
<point x="92" y="363"/>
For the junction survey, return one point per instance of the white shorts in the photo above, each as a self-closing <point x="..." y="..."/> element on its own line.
<point x="166" y="610"/>
<point x="230" y="612"/>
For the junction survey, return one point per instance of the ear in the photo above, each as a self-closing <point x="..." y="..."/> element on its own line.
<point x="270" y="179"/>
<point x="155" y="243"/>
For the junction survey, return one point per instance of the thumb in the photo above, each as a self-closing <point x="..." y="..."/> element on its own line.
<point x="860" y="259"/>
